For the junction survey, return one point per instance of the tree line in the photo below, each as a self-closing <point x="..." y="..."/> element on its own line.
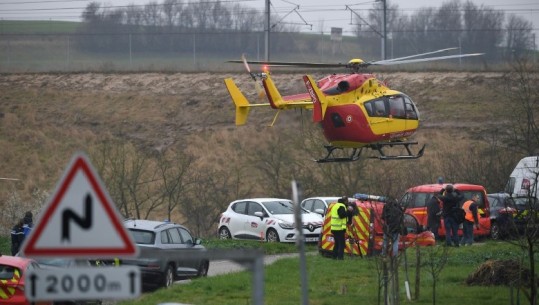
<point x="464" y="24"/>
<point x="214" y="26"/>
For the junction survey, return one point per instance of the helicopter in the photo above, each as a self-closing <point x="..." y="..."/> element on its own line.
<point x="355" y="109"/>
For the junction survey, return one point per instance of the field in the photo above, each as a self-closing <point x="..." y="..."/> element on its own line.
<point x="45" y="118"/>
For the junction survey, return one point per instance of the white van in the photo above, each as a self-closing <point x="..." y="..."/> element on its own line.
<point x="523" y="180"/>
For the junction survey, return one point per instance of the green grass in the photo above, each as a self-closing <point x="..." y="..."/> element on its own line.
<point x="327" y="277"/>
<point x="5" y="245"/>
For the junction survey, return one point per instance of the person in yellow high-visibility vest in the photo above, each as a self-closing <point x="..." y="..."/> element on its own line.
<point x="338" y="227"/>
<point x="471" y="219"/>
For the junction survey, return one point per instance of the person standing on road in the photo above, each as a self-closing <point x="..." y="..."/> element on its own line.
<point x="339" y="217"/>
<point x="434" y="215"/>
<point x="451" y="199"/>
<point x="471" y="219"/>
<point x="392" y="217"/>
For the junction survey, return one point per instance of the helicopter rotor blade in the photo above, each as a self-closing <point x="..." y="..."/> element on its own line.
<point x="387" y="63"/>
<point x="292" y="64"/>
<point x="416" y="55"/>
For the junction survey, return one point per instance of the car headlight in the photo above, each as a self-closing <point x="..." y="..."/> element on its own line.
<point x="286" y="225"/>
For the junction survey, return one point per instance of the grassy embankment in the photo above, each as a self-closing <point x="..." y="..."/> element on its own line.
<point x="327" y="280"/>
<point x="339" y="282"/>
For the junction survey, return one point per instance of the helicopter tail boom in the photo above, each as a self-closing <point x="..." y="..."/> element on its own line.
<point x="319" y="100"/>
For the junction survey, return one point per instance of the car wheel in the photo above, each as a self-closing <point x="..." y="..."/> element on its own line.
<point x="272" y="236"/>
<point x="224" y="233"/>
<point x="203" y="268"/>
<point x="169" y="276"/>
<point x="495" y="231"/>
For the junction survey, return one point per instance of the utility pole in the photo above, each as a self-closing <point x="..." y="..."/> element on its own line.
<point x="268" y="27"/>
<point x="384" y="39"/>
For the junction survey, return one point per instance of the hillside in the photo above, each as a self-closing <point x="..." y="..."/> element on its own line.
<point x="45" y="118"/>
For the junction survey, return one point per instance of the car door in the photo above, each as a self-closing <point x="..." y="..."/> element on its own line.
<point x="238" y="219"/>
<point x="191" y="265"/>
<point x="175" y="249"/>
<point x="255" y="226"/>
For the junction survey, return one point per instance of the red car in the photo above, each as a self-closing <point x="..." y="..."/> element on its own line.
<point x="416" y="198"/>
<point x="12" y="270"/>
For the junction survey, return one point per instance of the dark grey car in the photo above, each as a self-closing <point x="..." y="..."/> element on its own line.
<point x="168" y="252"/>
<point x="502" y="210"/>
<point x="511" y="215"/>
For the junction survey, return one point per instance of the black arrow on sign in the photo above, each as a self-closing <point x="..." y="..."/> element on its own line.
<point x="84" y="222"/>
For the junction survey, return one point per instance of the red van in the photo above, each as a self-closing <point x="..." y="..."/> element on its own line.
<point x="416" y="198"/>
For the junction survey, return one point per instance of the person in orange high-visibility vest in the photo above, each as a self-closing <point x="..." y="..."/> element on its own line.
<point x="471" y="219"/>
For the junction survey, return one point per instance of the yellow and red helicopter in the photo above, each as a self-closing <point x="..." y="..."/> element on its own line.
<point x="355" y="110"/>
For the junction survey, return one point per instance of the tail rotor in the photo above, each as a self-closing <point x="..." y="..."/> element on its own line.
<point x="259" y="90"/>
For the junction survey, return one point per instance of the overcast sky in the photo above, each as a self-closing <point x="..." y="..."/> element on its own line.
<point x="314" y="15"/>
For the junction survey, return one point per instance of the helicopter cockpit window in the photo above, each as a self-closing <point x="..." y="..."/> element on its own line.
<point x="396" y="107"/>
<point x="410" y="110"/>
<point x="376" y="108"/>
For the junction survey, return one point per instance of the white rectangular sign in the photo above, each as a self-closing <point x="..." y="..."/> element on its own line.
<point x="87" y="283"/>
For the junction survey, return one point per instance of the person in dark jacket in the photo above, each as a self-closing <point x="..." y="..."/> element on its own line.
<point x="17" y="237"/>
<point x="451" y="199"/>
<point x="434" y="215"/>
<point x="28" y="223"/>
<point x="392" y="218"/>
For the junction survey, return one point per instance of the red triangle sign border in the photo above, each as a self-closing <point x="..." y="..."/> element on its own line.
<point x="80" y="163"/>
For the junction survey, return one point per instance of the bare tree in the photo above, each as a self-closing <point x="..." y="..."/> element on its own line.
<point x="519" y="37"/>
<point x="207" y="199"/>
<point x="176" y="170"/>
<point x="522" y="96"/>
<point x="447" y="25"/>
<point x="435" y="261"/>
<point x="482" y="29"/>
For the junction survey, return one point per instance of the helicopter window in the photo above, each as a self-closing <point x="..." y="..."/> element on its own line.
<point x="341" y="87"/>
<point x="396" y="107"/>
<point x="410" y="110"/>
<point x="379" y="108"/>
<point x="337" y="120"/>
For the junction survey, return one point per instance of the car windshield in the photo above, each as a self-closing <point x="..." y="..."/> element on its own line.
<point x="281" y="207"/>
<point x="142" y="237"/>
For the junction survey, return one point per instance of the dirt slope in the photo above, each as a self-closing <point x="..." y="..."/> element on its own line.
<point x="44" y="118"/>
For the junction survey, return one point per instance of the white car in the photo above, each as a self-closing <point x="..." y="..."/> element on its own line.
<point x="269" y="219"/>
<point x="318" y="204"/>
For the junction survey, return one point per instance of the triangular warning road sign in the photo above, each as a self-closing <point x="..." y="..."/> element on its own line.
<point x="80" y="219"/>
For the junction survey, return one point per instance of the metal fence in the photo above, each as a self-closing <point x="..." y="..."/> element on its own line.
<point x="159" y="52"/>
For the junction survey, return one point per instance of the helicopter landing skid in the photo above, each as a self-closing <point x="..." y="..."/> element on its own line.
<point x="356" y="152"/>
